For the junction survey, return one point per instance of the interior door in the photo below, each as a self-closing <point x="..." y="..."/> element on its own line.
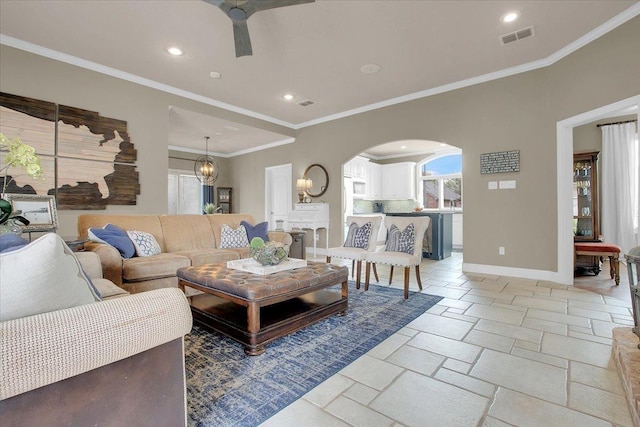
<point x="278" y="194"/>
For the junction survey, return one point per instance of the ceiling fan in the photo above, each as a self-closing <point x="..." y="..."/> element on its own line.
<point x="240" y="10"/>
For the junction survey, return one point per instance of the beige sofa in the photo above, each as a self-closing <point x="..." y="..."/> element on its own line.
<point x="185" y="240"/>
<point x="115" y="362"/>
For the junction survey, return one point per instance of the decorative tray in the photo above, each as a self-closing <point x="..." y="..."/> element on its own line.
<point x="252" y="266"/>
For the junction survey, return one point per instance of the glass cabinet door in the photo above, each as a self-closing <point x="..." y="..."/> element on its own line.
<point x="585" y="197"/>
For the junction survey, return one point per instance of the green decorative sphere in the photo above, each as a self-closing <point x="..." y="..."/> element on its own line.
<point x="269" y="253"/>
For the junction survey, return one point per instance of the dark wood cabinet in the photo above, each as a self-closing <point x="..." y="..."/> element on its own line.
<point x="224" y="198"/>
<point x="586" y="208"/>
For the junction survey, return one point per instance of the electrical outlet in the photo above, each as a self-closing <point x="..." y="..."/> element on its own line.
<point x="501" y="250"/>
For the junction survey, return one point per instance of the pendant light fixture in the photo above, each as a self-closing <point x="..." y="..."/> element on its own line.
<point x="205" y="168"/>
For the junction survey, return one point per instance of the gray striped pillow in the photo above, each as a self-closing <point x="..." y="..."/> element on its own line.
<point x="358" y="237"/>
<point x="401" y="241"/>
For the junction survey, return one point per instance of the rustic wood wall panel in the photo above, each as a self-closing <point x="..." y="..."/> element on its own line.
<point x="89" y="162"/>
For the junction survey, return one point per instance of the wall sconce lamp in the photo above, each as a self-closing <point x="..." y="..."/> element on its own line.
<point x="302" y="185"/>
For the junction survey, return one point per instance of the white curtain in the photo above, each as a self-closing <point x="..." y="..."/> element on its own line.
<point x="620" y="185"/>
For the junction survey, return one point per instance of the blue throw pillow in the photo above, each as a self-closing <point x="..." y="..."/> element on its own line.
<point x="258" y="230"/>
<point x="114" y="236"/>
<point x="10" y="242"/>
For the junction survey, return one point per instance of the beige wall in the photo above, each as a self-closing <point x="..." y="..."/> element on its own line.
<point x="518" y="112"/>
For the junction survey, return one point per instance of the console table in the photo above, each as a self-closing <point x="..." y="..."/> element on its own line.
<point x="311" y="216"/>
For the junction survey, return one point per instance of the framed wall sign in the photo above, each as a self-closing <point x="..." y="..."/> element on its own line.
<point x="39" y="210"/>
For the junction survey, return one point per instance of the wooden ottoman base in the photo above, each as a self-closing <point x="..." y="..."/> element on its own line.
<point x="255" y="310"/>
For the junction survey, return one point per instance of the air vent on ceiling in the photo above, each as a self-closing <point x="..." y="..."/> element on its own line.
<point x="305" y="103"/>
<point x="517" y="35"/>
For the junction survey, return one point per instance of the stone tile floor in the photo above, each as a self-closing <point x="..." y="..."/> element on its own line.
<point x="496" y="351"/>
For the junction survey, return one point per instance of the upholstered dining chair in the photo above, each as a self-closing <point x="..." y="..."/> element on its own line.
<point x="403" y="248"/>
<point x="360" y="240"/>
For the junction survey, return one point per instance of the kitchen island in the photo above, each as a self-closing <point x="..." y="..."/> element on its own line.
<point x="438" y="239"/>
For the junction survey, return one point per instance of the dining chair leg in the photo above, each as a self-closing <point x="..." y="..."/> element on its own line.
<point x="366" y="275"/>
<point x="328" y="259"/>
<point x="418" y="277"/>
<point x="406" y="282"/>
<point x="375" y="273"/>
<point x="359" y="264"/>
<point x="391" y="274"/>
<point x="353" y="264"/>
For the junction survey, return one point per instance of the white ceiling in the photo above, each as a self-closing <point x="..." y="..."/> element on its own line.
<point x="314" y="51"/>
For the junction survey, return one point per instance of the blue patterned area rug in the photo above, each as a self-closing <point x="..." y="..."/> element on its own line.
<point x="225" y="387"/>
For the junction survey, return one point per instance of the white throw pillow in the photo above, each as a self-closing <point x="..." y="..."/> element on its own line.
<point x="233" y="238"/>
<point x="145" y="243"/>
<point x="41" y="277"/>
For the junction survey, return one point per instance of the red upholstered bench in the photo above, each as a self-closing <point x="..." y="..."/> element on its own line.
<point x="599" y="249"/>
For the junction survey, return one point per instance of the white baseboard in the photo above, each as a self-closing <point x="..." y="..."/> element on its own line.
<point x="524" y="273"/>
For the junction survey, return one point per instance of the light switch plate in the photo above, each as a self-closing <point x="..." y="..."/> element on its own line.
<point x="507" y="185"/>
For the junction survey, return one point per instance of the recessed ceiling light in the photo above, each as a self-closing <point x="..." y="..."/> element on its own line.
<point x="370" y="68"/>
<point x="175" y="51"/>
<point x="509" y="17"/>
<point x="287" y="97"/>
<point x="215" y="75"/>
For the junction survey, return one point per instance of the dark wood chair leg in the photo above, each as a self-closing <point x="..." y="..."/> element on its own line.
<point x="418" y="277"/>
<point x="375" y="273"/>
<point x="391" y="274"/>
<point x="328" y="259"/>
<point x="366" y="275"/>
<point x="353" y="265"/>
<point x="359" y="267"/>
<point x="406" y="282"/>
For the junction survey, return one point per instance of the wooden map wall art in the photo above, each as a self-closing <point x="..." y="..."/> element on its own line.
<point x="88" y="160"/>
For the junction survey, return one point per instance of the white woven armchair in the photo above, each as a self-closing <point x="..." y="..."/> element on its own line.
<point x="114" y="362"/>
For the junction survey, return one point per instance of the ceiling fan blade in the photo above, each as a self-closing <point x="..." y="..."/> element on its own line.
<point x="252" y="6"/>
<point x="242" y="40"/>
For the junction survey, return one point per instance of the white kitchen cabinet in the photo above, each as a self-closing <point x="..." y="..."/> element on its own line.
<point x="374" y="181"/>
<point x="398" y="181"/>
<point x="357" y="168"/>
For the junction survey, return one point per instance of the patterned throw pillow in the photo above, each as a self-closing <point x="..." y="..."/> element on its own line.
<point x="401" y="241"/>
<point x="145" y="243"/>
<point x="233" y="238"/>
<point x="358" y="237"/>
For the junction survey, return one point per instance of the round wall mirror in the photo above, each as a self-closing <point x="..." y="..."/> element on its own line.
<point x="319" y="178"/>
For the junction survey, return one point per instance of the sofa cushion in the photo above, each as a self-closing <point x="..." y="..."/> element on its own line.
<point x="145" y="243"/>
<point x="114" y="236"/>
<point x="233" y="237"/>
<point x="161" y="265"/>
<point x="258" y="230"/>
<point x="41" y="277"/>
<point x="209" y="256"/>
<point x="401" y="241"/>
<point x="186" y="232"/>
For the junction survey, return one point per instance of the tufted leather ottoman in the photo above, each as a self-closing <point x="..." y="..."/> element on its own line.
<point x="255" y="309"/>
